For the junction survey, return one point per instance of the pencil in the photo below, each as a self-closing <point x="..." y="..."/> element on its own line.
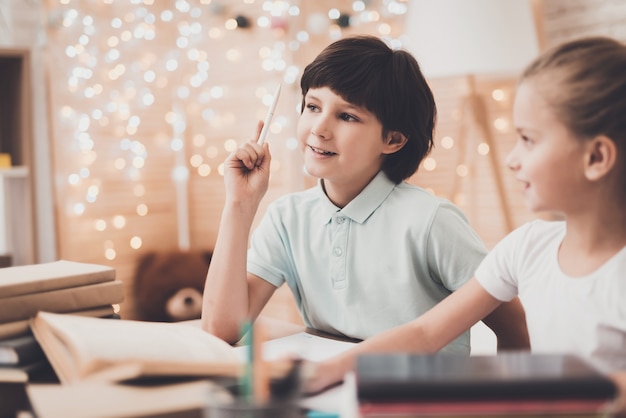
<point x="246" y="381"/>
<point x="268" y="118"/>
<point x="260" y="373"/>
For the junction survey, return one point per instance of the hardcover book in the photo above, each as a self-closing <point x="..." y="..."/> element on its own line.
<point x="22" y="326"/>
<point x="36" y="278"/>
<point x="20" y="351"/>
<point x="19" y="307"/>
<point x="508" y="376"/>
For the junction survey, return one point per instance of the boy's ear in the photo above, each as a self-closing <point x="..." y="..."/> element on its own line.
<point x="394" y="142"/>
<point x="600" y="158"/>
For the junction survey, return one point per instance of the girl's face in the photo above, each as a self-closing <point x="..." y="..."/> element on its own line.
<point x="547" y="159"/>
<point x="342" y="143"/>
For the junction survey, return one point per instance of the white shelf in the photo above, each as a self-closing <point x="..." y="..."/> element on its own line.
<point x="16" y="216"/>
<point x="19" y="171"/>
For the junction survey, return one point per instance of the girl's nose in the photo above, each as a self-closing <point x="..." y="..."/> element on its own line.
<point x="511" y="160"/>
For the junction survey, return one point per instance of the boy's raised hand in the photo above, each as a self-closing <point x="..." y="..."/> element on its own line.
<point x="247" y="171"/>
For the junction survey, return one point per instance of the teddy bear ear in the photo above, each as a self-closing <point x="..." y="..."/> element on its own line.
<point x="145" y="261"/>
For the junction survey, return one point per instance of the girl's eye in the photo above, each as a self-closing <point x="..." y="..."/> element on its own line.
<point x="311" y="107"/>
<point x="348" y="118"/>
<point x="525" y="139"/>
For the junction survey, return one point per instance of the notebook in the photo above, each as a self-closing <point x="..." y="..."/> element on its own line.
<point x="508" y="376"/>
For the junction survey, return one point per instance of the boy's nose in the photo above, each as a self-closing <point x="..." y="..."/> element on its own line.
<point x="320" y="129"/>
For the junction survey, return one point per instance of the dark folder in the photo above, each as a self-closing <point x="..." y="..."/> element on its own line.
<point x="509" y="376"/>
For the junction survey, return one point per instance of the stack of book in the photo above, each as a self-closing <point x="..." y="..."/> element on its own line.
<point x="504" y="385"/>
<point x="61" y="287"/>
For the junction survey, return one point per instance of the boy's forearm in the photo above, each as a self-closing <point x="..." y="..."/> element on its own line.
<point x="405" y="338"/>
<point x="225" y="299"/>
<point x="428" y="333"/>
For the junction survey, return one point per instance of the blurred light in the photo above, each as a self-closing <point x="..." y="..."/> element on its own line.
<point x="430" y="164"/>
<point x="447" y="142"/>
<point x="483" y="148"/>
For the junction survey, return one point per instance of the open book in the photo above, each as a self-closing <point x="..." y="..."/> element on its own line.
<point x="96" y="396"/>
<point x="97" y="349"/>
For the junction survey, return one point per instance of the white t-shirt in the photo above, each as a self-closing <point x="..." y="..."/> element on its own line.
<point x="582" y="315"/>
<point x="384" y="259"/>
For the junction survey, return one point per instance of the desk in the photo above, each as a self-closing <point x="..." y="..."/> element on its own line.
<point x="110" y="395"/>
<point x="114" y="400"/>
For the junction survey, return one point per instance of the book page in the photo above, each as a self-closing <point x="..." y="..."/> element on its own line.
<point x="159" y="347"/>
<point x="304" y="345"/>
<point x="116" y="400"/>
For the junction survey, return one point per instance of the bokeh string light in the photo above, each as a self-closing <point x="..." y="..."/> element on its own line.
<point x="128" y="64"/>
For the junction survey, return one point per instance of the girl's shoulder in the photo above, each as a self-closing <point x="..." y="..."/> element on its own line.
<point x="534" y="236"/>
<point x="542" y="228"/>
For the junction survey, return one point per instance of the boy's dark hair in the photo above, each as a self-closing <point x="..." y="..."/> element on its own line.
<point x="364" y="71"/>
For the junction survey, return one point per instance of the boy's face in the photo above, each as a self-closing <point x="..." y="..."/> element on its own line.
<point x="342" y="143"/>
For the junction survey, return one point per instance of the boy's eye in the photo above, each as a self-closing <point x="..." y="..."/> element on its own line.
<point x="311" y="107"/>
<point x="348" y="117"/>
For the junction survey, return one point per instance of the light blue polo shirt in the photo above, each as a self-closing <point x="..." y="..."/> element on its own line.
<point x="388" y="256"/>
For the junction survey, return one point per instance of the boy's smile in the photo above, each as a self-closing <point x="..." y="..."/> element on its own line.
<point x="321" y="151"/>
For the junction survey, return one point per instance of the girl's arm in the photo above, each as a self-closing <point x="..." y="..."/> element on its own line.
<point x="426" y="334"/>
<point x="619" y="406"/>
<point x="508" y="322"/>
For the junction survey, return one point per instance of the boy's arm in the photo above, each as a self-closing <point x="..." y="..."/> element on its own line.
<point x="508" y="322"/>
<point x="231" y="295"/>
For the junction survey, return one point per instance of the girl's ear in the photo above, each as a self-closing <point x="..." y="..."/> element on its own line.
<point x="394" y="142"/>
<point x="600" y="158"/>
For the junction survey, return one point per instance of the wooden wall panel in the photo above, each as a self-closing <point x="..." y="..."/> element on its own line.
<point x="80" y="57"/>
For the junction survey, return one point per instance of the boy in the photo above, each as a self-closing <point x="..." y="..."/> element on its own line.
<point x="363" y="252"/>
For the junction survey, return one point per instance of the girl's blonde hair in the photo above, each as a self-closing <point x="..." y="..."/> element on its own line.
<point x="584" y="81"/>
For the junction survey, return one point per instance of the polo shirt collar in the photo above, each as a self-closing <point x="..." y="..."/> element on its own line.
<point x="363" y="205"/>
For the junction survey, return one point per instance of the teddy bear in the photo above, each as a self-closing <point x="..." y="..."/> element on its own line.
<point x="168" y="286"/>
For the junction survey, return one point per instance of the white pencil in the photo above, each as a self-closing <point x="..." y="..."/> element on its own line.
<point x="268" y="118"/>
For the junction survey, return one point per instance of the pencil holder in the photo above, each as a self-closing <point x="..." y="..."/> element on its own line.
<point x="239" y="408"/>
<point x="230" y="402"/>
<point x="227" y="402"/>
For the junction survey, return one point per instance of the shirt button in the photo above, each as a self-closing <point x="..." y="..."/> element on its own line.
<point x="341" y="220"/>
<point x="337" y="251"/>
